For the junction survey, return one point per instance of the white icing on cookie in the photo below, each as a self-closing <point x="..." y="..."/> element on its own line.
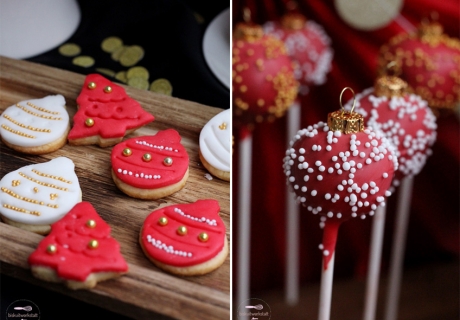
<point x="215" y="141"/>
<point x="33" y="123"/>
<point x="40" y="194"/>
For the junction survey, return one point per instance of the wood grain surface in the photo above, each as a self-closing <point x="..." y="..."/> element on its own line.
<point x="146" y="291"/>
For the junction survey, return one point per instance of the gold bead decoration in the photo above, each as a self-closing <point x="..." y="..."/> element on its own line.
<point x="108" y="89"/>
<point x="35" y="190"/>
<point x="168" y="161"/>
<point x="223" y="126"/>
<point x="163" y="221"/>
<point x="203" y="237"/>
<point x="182" y="231"/>
<point x="15" y="183"/>
<point x="91" y="224"/>
<point x="127" y="152"/>
<point x="147" y="157"/>
<point x="92" y="85"/>
<point x="51" y="249"/>
<point x="93" y="244"/>
<point x="89" y="122"/>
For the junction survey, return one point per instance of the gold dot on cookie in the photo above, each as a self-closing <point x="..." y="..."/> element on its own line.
<point x="163" y="221"/>
<point x="182" y="231"/>
<point x="203" y="237"/>
<point x="51" y="249"/>
<point x="223" y="126"/>
<point x="89" y="122"/>
<point x="168" y="161"/>
<point x="35" y="189"/>
<point x="93" y="244"/>
<point x="108" y="89"/>
<point x="127" y="152"/>
<point x="91" y="224"/>
<point x="147" y="157"/>
<point x="92" y="85"/>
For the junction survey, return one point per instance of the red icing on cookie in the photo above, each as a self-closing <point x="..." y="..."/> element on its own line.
<point x="112" y="111"/>
<point x="339" y="176"/>
<point x="137" y="171"/>
<point x="165" y="244"/>
<point x="74" y="258"/>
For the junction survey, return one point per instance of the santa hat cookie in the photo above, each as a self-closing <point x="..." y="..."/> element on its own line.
<point x="150" y="167"/>
<point x="105" y="113"/>
<point x="79" y="251"/>
<point x="185" y="239"/>
<point x="35" y="196"/>
<point x="36" y="126"/>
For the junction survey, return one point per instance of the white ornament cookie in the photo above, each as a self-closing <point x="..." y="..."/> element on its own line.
<point x="215" y="145"/>
<point x="36" y="126"/>
<point x="35" y="196"/>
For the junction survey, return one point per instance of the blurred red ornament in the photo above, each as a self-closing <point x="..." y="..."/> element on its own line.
<point x="307" y="44"/>
<point x="263" y="82"/>
<point x="429" y="62"/>
<point x="405" y="118"/>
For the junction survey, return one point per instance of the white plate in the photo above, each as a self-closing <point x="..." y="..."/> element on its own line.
<point x="216" y="46"/>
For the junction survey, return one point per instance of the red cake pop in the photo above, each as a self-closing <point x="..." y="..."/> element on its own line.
<point x="263" y="81"/>
<point x="307" y="44"/>
<point x="405" y="119"/>
<point x="340" y="170"/>
<point x="430" y="62"/>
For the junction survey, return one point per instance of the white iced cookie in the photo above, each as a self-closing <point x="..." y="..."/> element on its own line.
<point x="215" y="145"/>
<point x="36" y="126"/>
<point x="35" y="196"/>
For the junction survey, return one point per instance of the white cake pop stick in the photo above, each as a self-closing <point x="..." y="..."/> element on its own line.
<point x="398" y="247"/>
<point x="292" y="225"/>
<point x="375" y="254"/>
<point x="244" y="209"/>
<point x="325" y="294"/>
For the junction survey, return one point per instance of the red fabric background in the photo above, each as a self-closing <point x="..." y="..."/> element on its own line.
<point x="433" y="233"/>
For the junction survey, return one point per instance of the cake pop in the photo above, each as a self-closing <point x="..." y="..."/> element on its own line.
<point x="307" y="44"/>
<point x="340" y="170"/>
<point x="430" y="63"/>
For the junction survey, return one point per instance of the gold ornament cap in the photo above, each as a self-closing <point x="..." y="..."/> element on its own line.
<point x="390" y="86"/>
<point x="293" y="21"/>
<point x="247" y="30"/>
<point x="346" y="121"/>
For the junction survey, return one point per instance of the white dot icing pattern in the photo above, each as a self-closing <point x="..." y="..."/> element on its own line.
<point x="39" y="121"/>
<point x="340" y="168"/>
<point x="412" y="148"/>
<point x="167" y="248"/>
<point x="211" y="222"/>
<point x="140" y="175"/>
<point x="41" y="192"/>
<point x="215" y="141"/>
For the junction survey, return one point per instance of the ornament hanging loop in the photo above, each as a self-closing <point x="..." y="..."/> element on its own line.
<point x="354" y="99"/>
<point x="393" y="69"/>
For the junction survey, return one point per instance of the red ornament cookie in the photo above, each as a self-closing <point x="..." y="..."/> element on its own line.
<point x="150" y="167"/>
<point x="185" y="239"/>
<point x="79" y="251"/>
<point x="105" y="114"/>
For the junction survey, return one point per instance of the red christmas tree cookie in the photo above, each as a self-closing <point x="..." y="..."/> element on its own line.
<point x="150" y="167"/>
<point x="185" y="239"/>
<point x="105" y="114"/>
<point x="79" y="251"/>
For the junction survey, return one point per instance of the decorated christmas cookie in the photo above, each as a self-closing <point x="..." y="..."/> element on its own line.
<point x="35" y="196"/>
<point x="150" y="167"/>
<point x="105" y="114"/>
<point x="79" y="251"/>
<point x="185" y="239"/>
<point x="36" y="126"/>
<point x="215" y="145"/>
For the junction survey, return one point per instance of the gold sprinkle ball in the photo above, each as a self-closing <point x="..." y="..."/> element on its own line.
<point x="89" y="122"/>
<point x="182" y="230"/>
<point x="91" y="224"/>
<point x="203" y="237"/>
<point x="51" y="249"/>
<point x="127" y="152"/>
<point x="93" y="244"/>
<point x="168" y="161"/>
<point x="163" y="221"/>
<point x="147" y="157"/>
<point x="108" y="89"/>
<point x="92" y="85"/>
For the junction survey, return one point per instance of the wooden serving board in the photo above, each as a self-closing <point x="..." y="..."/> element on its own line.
<point x="145" y="291"/>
